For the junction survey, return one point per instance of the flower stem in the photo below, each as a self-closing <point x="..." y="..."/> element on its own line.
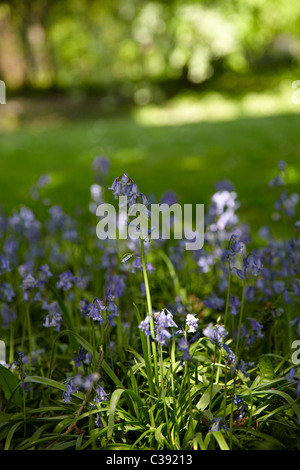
<point x="212" y="376"/>
<point x="240" y="322"/>
<point x="225" y="317"/>
<point x="149" y="308"/>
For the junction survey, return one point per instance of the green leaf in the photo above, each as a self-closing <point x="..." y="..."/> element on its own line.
<point x="10" y="386"/>
<point x="266" y="368"/>
<point x="51" y="383"/>
<point x="10" y="435"/>
<point x="220" y="440"/>
<point x="205" y="399"/>
<point x="114" y="403"/>
<point x="159" y="435"/>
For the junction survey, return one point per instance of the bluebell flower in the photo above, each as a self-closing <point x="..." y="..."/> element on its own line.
<point x="278" y="287"/>
<point x="109" y="258"/>
<point x="8" y="315"/>
<point x="191" y="323"/>
<point x="25" y="224"/>
<point x="4" y="265"/>
<point x="101" y="394"/>
<point x="116" y="285"/>
<point x="145" y="325"/>
<point x="138" y="265"/>
<point x="143" y="288"/>
<point x="277" y="181"/>
<point x="242" y="366"/>
<point x="253" y="264"/>
<point x="88" y="358"/>
<point x="10" y="249"/>
<point x="169" y="197"/>
<point x="256" y="327"/>
<point x="240" y="412"/>
<point x="84" y="307"/>
<point x="79" y="357"/>
<point x="58" y="219"/>
<point x="183" y="346"/>
<point x="66" y="280"/>
<point x="95" y="311"/>
<point x="237" y="401"/>
<point x="218" y="426"/>
<point x="45" y="273"/>
<point x="125" y="186"/>
<point x="296" y="286"/>
<point x="54" y="317"/>
<point x="69" y="389"/>
<point x="214" y="302"/>
<point x="286" y="297"/>
<point x="290" y="377"/>
<point x="71" y="235"/>
<point x="27" y="285"/>
<point x="230" y="356"/>
<point x="224" y="185"/>
<point x="234" y="304"/>
<point x="282" y="165"/>
<point x="7" y="292"/>
<point x="112" y="309"/>
<point x="101" y="165"/>
<point x="235" y="246"/>
<point x="98" y="421"/>
<point x="216" y="333"/>
<point x="163" y="321"/>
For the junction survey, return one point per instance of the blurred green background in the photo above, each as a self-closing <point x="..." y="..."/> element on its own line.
<point x="177" y="94"/>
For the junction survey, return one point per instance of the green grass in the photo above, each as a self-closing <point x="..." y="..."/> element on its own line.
<point x="159" y="154"/>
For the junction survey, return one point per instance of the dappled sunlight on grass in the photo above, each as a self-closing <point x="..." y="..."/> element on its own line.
<point x="214" y="106"/>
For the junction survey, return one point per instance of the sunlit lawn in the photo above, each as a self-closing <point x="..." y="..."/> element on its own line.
<point x="185" y="146"/>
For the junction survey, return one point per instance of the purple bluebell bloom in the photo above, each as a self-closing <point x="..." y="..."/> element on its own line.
<point x="256" y="327"/>
<point x="235" y="246"/>
<point x="54" y="317"/>
<point x="234" y="304"/>
<point x="290" y="377"/>
<point x="45" y="273"/>
<point x="116" y="285"/>
<point x="230" y="356"/>
<point x="183" y="346"/>
<point x="214" y="302"/>
<point x="8" y="315"/>
<point x="79" y="357"/>
<point x="216" y="333"/>
<point x="95" y="311"/>
<point x="218" y="426"/>
<point x="191" y="323"/>
<point x="4" y="265"/>
<point x="277" y="181"/>
<point x="69" y="389"/>
<point x="7" y="292"/>
<point x="84" y="307"/>
<point x="125" y="186"/>
<point x="66" y="280"/>
<point x="145" y="325"/>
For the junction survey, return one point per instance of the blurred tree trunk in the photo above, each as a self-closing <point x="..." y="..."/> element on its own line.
<point x="30" y="22"/>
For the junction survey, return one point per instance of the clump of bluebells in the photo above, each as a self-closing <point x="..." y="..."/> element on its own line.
<point x="186" y="337"/>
